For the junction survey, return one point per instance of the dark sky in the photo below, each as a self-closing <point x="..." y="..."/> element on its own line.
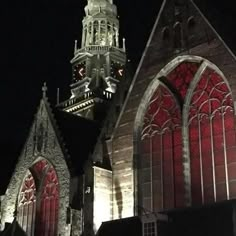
<point x="36" y="42"/>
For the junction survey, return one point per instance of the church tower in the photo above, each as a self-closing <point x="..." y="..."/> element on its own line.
<point x="98" y="66"/>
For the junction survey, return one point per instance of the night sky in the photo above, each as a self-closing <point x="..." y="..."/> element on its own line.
<point x="37" y="41"/>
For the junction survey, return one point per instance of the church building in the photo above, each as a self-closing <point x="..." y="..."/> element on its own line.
<point x="150" y="155"/>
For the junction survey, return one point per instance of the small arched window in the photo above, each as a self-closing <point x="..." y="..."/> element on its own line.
<point x="109" y="33"/>
<point x="166" y="34"/>
<point x="191" y="23"/>
<point x="103" y="36"/>
<point x="89" y="38"/>
<point x="114" y="35"/>
<point x="95" y="33"/>
<point x="177" y="36"/>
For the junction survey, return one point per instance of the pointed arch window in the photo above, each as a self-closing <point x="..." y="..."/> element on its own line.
<point x="198" y="155"/>
<point x="48" y="207"/>
<point x="211" y="139"/>
<point x="38" y="200"/>
<point x="27" y="204"/>
<point x="161" y="151"/>
<point x="177" y="36"/>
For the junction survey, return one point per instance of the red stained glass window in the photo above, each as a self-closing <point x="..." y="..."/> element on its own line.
<point x="38" y="200"/>
<point x="161" y="149"/>
<point x="27" y="204"/>
<point x="181" y="77"/>
<point x="211" y="139"/>
<point x="49" y="199"/>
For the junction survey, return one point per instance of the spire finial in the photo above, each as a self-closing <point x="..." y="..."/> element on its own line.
<point x="44" y="90"/>
<point x="124" y="47"/>
<point x="75" y="47"/>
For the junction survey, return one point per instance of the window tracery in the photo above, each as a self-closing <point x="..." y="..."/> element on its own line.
<point x="210" y="149"/>
<point x="161" y="149"/>
<point x="211" y="123"/>
<point x="181" y="77"/>
<point x="38" y="200"/>
<point x="49" y="199"/>
<point x="27" y="204"/>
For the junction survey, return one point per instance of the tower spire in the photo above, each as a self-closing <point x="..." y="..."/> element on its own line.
<point x="98" y="63"/>
<point x="44" y="90"/>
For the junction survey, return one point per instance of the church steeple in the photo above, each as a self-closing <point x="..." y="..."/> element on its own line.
<point x="100" y="26"/>
<point x="98" y="65"/>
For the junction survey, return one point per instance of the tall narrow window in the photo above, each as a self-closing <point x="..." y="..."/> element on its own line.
<point x="161" y="178"/>
<point x="27" y="204"/>
<point x="212" y="140"/>
<point x="103" y="33"/>
<point x="95" y="33"/>
<point x="48" y="208"/>
<point x="109" y="34"/>
<point x="177" y="36"/>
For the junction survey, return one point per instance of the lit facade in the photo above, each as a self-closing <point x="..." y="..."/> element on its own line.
<point x="164" y="142"/>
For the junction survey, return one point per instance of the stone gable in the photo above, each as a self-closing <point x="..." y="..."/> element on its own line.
<point x="43" y="142"/>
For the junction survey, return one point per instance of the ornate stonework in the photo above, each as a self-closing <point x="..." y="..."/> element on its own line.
<point x="42" y="143"/>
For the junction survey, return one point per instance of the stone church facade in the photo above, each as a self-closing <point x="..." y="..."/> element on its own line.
<point x="166" y="140"/>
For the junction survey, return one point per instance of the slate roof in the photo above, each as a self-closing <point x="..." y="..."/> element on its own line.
<point x="131" y="226"/>
<point x="78" y="135"/>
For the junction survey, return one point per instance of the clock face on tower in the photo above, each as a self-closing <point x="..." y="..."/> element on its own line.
<point x="117" y="70"/>
<point x="79" y="71"/>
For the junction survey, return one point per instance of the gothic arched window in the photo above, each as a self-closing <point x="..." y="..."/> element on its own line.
<point x="177" y="36"/>
<point x="161" y="150"/>
<point x="27" y="204"/>
<point x="38" y="200"/>
<point x="48" y="207"/>
<point x="188" y="143"/>
<point x="211" y="139"/>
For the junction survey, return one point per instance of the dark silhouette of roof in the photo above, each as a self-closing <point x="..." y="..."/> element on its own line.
<point x="78" y="135"/>
<point x="210" y="219"/>
<point x="13" y="229"/>
<point x="125" y="227"/>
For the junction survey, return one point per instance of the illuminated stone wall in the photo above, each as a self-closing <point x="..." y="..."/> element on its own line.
<point x="102" y="196"/>
<point x="169" y="39"/>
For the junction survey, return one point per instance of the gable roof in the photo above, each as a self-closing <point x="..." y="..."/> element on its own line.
<point x="79" y="137"/>
<point x="158" y="52"/>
